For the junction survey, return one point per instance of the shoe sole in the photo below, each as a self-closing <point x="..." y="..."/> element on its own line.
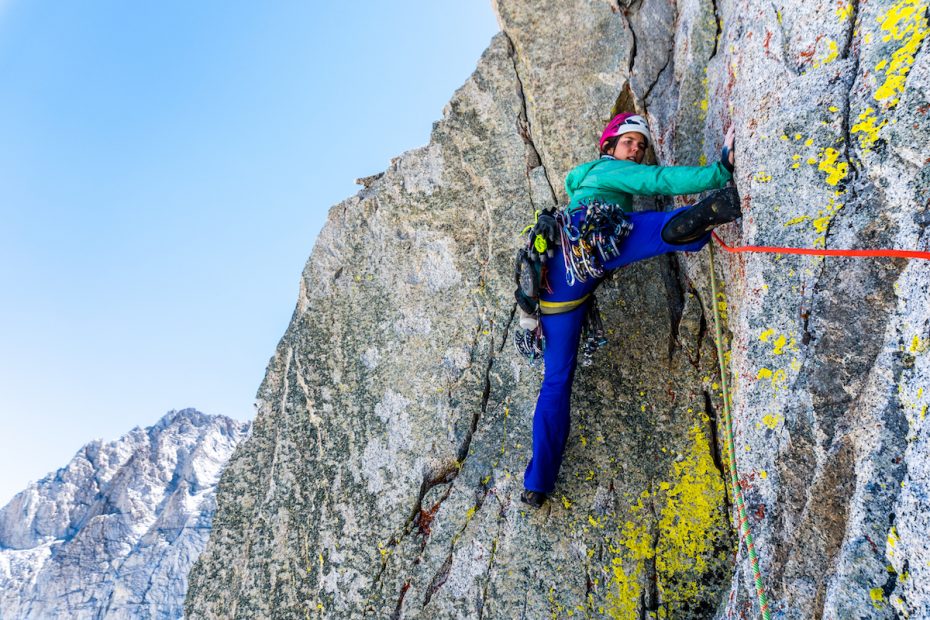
<point x="697" y="222"/>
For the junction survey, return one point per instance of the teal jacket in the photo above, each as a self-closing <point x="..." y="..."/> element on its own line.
<point x="615" y="181"/>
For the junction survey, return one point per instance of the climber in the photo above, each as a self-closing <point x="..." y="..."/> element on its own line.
<point x="611" y="180"/>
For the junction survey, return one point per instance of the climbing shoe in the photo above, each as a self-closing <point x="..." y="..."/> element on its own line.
<point x="718" y="207"/>
<point x="534" y="499"/>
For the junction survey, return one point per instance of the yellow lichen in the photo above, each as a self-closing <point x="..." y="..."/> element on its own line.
<point x="797" y="220"/>
<point x="836" y="171"/>
<point x="845" y="11"/>
<point x="633" y="549"/>
<point x="690" y="524"/>
<point x="778" y="378"/>
<point x="722" y="306"/>
<point x="772" y="421"/>
<point x="832" y="53"/>
<point x="826" y="215"/>
<point x="869" y="127"/>
<point x="918" y="345"/>
<point x="905" y="21"/>
<point x="780" y="344"/>
<point x="690" y="528"/>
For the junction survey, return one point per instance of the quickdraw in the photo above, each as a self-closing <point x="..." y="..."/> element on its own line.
<point x="592" y="333"/>
<point x="596" y="240"/>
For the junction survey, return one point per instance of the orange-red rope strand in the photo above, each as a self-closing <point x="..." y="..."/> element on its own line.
<point x="768" y="249"/>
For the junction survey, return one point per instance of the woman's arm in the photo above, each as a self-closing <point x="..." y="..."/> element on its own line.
<point x="632" y="178"/>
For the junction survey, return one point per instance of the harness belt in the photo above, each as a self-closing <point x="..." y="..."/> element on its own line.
<point x="561" y="307"/>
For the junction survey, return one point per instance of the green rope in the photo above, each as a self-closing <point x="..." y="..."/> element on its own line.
<point x="737" y="492"/>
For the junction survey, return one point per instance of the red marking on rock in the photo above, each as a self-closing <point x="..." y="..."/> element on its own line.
<point x="425" y="518"/>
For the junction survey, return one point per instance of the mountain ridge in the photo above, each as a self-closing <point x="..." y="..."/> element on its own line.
<point x="112" y="533"/>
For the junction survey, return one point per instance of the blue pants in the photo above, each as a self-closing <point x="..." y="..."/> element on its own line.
<point x="563" y="332"/>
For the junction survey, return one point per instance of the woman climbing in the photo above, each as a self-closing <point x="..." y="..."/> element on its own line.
<point x="602" y="190"/>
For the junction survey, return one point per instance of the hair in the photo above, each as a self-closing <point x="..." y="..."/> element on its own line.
<point x="609" y="144"/>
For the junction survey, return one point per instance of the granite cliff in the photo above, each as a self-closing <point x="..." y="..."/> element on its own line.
<point x="383" y="472"/>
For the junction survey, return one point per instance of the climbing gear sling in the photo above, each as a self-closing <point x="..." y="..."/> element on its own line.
<point x="542" y="237"/>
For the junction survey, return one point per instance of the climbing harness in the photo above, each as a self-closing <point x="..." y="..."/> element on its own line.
<point x="767" y="249"/>
<point x="736" y="489"/>
<point x="595" y="240"/>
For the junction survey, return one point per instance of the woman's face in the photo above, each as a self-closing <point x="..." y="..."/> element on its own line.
<point x="631" y="146"/>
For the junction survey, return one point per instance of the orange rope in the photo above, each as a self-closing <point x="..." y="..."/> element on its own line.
<point x="824" y="252"/>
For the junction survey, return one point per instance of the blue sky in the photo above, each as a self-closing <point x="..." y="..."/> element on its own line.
<point x="164" y="170"/>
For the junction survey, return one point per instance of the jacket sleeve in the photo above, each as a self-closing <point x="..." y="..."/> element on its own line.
<point x="632" y="178"/>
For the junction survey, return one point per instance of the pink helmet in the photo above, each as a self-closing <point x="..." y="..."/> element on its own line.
<point x="623" y="123"/>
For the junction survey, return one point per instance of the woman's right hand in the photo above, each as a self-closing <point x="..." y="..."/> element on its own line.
<point x="728" y="141"/>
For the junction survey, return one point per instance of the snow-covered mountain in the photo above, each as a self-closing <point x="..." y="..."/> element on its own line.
<point x="114" y="533"/>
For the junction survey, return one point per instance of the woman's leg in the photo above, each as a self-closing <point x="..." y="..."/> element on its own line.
<point x="645" y="240"/>
<point x="551" y="421"/>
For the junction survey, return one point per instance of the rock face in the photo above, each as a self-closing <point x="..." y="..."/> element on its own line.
<point x="114" y="533"/>
<point x="383" y="474"/>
